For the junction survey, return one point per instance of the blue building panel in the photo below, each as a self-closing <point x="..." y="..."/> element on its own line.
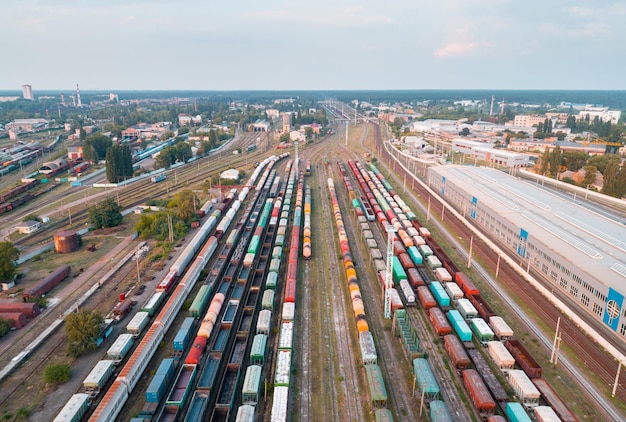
<point x="523" y="241"/>
<point x="613" y="308"/>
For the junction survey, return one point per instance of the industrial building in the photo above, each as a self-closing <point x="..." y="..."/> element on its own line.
<point x="485" y="152"/>
<point x="578" y="251"/>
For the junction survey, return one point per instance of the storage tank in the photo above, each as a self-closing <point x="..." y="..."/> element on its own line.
<point x="66" y="241"/>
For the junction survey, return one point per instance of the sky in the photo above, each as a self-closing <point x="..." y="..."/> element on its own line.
<point x="312" y="45"/>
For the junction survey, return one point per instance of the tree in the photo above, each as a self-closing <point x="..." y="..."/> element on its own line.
<point x="183" y="151"/>
<point x="601" y="161"/>
<point x="464" y="132"/>
<point x="8" y="256"/>
<point x="555" y="161"/>
<point x="5" y="326"/>
<point x="545" y="161"/>
<point x="119" y="163"/>
<point x="166" y="157"/>
<point x="308" y="133"/>
<point x="590" y="176"/>
<point x="105" y="214"/>
<point x="95" y="147"/>
<point x="57" y="373"/>
<point x="187" y="204"/>
<point x="575" y="160"/>
<point x="82" y="329"/>
<point x="213" y="138"/>
<point x="620" y="188"/>
<point x="611" y="176"/>
<point x="284" y="137"/>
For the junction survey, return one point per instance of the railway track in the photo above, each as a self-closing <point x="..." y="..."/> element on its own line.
<point x="596" y="362"/>
<point x="399" y="394"/>
<point x="334" y="349"/>
<point x="451" y="391"/>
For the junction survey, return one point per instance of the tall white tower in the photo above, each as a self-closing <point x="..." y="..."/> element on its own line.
<point x="27" y="92"/>
<point x="491" y="108"/>
<point x="79" y="104"/>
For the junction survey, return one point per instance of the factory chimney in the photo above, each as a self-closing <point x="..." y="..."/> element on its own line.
<point x="79" y="104"/>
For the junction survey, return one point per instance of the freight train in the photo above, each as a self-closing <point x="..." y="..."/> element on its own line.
<point x="118" y="393"/>
<point x="487" y="325"/>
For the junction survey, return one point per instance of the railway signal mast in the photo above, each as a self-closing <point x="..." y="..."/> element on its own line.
<point x="391" y="230"/>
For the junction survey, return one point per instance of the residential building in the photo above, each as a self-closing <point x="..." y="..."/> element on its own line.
<point x="523" y="120"/>
<point x="603" y="113"/>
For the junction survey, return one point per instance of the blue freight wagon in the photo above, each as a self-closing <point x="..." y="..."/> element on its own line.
<point x="516" y="413"/>
<point x="460" y="326"/>
<point x="161" y="380"/>
<point x="183" y="335"/>
<point x="439" y="412"/>
<point x="426" y="381"/>
<point x="415" y="255"/>
<point x="439" y="293"/>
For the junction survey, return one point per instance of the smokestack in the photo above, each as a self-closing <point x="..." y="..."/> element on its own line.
<point x="79" y="104"/>
<point x="491" y="108"/>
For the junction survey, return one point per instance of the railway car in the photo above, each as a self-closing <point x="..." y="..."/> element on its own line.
<point x="453" y="290"/>
<point x="524" y="359"/>
<point x="414" y="278"/>
<point x="152" y="304"/>
<point x="439" y="321"/>
<point x="138" y="323"/>
<point x="74" y="409"/>
<point x="442" y="275"/>
<point x="500" y="328"/>
<point x="501" y="356"/>
<point x="383" y="415"/>
<point x="459" y="325"/>
<point x="376" y="386"/>
<point x="182" y="386"/>
<point x="432" y="262"/>
<point x="478" y="392"/>
<point x="257" y="351"/>
<point x="118" y="350"/>
<point x="553" y="400"/>
<point x="466" y="309"/>
<point x="465" y="284"/>
<point x="47" y="284"/>
<point x="439" y="411"/>
<point x="122" y="309"/>
<point x="516" y="413"/>
<point x="545" y="414"/>
<point x="251" y="385"/>
<point x="425" y="380"/>
<point x="483" y="308"/>
<point x="407" y="292"/>
<point x="524" y="389"/>
<point x="456" y="351"/>
<point x="98" y="377"/>
<point x="440" y="295"/>
<point x="416" y="257"/>
<point x="425" y="297"/>
<point x="481" y="329"/>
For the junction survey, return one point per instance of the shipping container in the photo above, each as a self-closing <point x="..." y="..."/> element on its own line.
<point x="183" y="335"/>
<point x="161" y="380"/>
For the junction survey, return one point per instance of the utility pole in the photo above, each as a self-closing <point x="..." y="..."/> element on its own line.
<point x="388" y="282"/>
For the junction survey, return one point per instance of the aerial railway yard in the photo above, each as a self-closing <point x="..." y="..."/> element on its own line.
<point x="326" y="377"/>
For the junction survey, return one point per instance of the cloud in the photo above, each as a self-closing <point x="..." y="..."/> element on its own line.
<point x="343" y="17"/>
<point x="456" y="49"/>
